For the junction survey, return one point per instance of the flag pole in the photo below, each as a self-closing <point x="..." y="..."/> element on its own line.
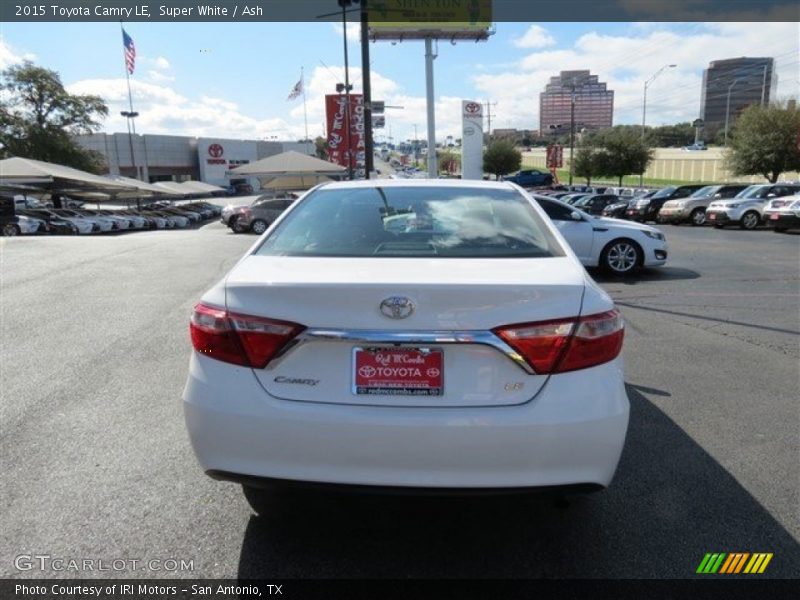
<point x="129" y="117"/>
<point x="305" y="113"/>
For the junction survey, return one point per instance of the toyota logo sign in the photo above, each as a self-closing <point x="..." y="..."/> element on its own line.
<point x="215" y="150"/>
<point x="472" y="109"/>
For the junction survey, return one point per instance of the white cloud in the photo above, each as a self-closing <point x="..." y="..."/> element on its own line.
<point x="162" y="63"/>
<point x="353" y="31"/>
<point x="159" y="77"/>
<point x="535" y="37"/>
<point x="162" y="110"/>
<point x="624" y="62"/>
<point x="9" y="56"/>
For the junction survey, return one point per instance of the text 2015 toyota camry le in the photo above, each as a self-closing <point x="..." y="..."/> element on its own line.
<point x="419" y="334"/>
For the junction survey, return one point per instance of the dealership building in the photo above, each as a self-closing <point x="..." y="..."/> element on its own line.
<point x="156" y="158"/>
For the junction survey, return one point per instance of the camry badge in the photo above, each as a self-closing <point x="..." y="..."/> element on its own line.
<point x="397" y="307"/>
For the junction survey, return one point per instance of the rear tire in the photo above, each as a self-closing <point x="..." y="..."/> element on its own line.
<point x="750" y="220"/>
<point x="237" y="226"/>
<point x="258" y="226"/>
<point x="11" y="230"/>
<point x="621" y="257"/>
<point x="698" y="217"/>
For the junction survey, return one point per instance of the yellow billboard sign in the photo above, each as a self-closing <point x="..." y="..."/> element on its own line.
<point x="414" y="19"/>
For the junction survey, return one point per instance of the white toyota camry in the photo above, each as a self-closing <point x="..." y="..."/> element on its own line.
<point x="413" y="334"/>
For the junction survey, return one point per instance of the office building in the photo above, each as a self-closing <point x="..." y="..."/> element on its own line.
<point x="747" y="81"/>
<point x="594" y="103"/>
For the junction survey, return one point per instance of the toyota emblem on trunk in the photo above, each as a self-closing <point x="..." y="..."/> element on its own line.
<point x="397" y="307"/>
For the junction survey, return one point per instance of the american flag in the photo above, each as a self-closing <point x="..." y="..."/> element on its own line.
<point x="130" y="52"/>
<point x="296" y="90"/>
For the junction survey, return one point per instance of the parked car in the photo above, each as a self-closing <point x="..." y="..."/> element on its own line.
<point x="595" y="203"/>
<point x="619" y="247"/>
<point x="531" y="178"/>
<point x="617" y="210"/>
<point x="53" y="223"/>
<point x="172" y="220"/>
<point x="783" y="214"/>
<point x="258" y="217"/>
<point x="747" y="207"/>
<point x="693" y="208"/>
<point x="102" y="225"/>
<point x="571" y="198"/>
<point x="646" y="209"/>
<point x="340" y="352"/>
<point x="82" y="226"/>
<point x="696" y="146"/>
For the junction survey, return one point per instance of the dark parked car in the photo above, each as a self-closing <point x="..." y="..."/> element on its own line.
<point x="619" y="210"/>
<point x="530" y="178"/>
<point x="646" y="209"/>
<point x="595" y="203"/>
<point x="260" y="215"/>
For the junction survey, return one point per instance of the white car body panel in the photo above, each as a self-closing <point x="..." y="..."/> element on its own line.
<point x="496" y="425"/>
<point x="28" y="225"/>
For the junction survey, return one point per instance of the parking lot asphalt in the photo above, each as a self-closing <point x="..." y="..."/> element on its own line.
<point x="96" y="461"/>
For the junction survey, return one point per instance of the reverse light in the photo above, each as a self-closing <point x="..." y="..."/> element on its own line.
<point x="238" y="339"/>
<point x="567" y="344"/>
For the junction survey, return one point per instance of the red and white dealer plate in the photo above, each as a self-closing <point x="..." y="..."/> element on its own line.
<point x="398" y="371"/>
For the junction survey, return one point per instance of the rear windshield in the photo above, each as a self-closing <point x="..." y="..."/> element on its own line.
<point x="708" y="190"/>
<point x="664" y="193"/>
<point x="411" y="222"/>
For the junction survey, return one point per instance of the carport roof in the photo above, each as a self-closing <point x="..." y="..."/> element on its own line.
<point x="56" y="178"/>
<point x="288" y="163"/>
<point x="142" y="188"/>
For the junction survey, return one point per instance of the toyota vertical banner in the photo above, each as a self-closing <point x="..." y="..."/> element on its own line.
<point x="352" y="154"/>
<point x="472" y="140"/>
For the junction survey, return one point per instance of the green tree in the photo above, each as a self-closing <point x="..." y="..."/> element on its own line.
<point x="765" y="141"/>
<point x="587" y="161"/>
<point x="501" y="157"/>
<point x="449" y="162"/>
<point x="321" y="147"/>
<point x="38" y="118"/>
<point x="622" y="152"/>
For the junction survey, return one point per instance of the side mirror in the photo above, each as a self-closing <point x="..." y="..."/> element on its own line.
<point x="575" y="216"/>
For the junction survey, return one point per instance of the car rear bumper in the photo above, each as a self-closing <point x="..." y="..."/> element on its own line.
<point x="572" y="432"/>
<point x="782" y="220"/>
<point x="672" y="215"/>
<point x="716" y="217"/>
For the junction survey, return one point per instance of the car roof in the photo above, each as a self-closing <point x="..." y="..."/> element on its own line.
<point x="401" y="183"/>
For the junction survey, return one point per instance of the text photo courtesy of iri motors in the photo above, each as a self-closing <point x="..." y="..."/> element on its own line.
<point x="386" y="299"/>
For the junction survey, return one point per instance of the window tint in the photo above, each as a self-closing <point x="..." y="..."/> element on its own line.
<point x="557" y="212"/>
<point x="664" y="193"/>
<point x="411" y="222"/>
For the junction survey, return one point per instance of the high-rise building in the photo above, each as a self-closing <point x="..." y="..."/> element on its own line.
<point x="594" y="104"/>
<point x="749" y="81"/>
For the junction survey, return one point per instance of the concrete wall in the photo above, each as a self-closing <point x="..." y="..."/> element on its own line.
<point x="672" y="163"/>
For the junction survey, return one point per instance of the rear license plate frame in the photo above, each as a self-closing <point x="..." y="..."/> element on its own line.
<point x="433" y="358"/>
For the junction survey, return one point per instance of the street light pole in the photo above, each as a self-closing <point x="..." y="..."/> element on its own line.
<point x="129" y="116"/>
<point x="571" y="130"/>
<point x="348" y="126"/>
<point x="728" y="110"/>
<point x="644" y="106"/>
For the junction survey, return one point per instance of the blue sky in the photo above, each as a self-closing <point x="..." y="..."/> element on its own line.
<point x="232" y="79"/>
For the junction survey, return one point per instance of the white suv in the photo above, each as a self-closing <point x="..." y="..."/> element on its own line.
<point x="747" y="208"/>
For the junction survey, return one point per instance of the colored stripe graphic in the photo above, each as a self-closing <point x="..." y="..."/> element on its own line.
<point x="759" y="562"/>
<point x="734" y="562"/>
<point x="711" y="562"/>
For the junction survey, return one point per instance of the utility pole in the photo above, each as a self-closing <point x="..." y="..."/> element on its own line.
<point x="433" y="168"/>
<point x="369" y="164"/>
<point x="488" y="105"/>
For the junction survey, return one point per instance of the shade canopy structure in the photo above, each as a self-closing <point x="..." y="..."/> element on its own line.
<point x="292" y="182"/>
<point x="141" y="189"/>
<point x="57" y="178"/>
<point x="199" y="187"/>
<point x="172" y="188"/>
<point x="288" y="164"/>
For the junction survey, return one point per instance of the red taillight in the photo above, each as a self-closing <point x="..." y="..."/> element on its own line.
<point x="567" y="344"/>
<point x="239" y="339"/>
